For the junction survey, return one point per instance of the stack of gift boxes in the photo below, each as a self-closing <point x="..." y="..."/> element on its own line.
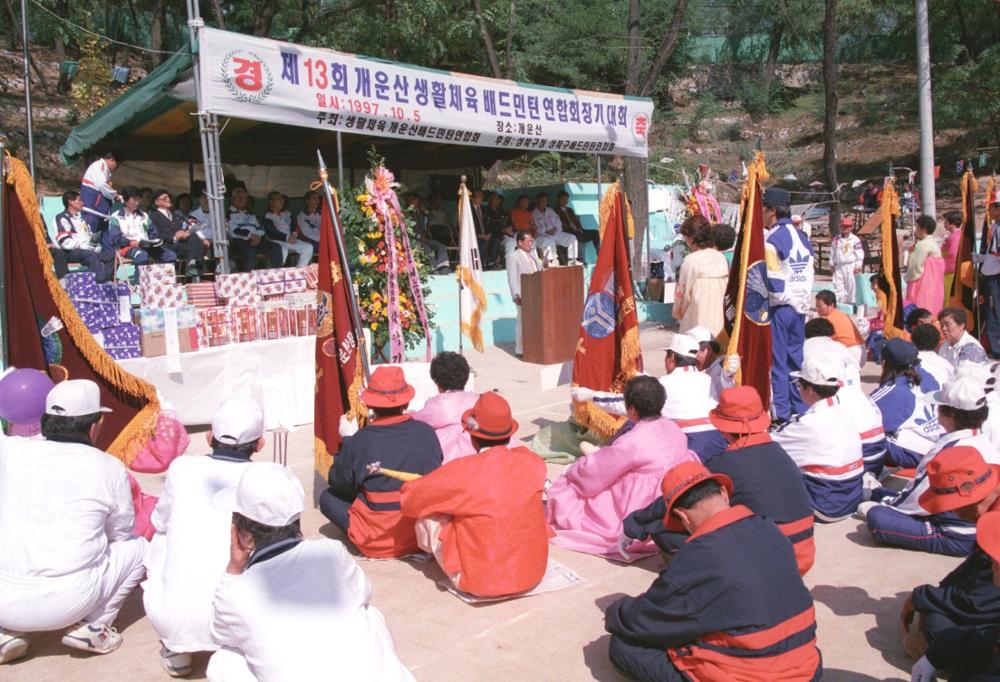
<point x="106" y="311"/>
<point x="236" y="308"/>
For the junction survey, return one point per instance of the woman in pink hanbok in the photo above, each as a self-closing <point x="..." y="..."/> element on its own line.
<point x="443" y="412"/>
<point x="587" y="504"/>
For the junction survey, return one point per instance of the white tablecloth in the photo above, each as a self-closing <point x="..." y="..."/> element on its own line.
<point x="278" y="374"/>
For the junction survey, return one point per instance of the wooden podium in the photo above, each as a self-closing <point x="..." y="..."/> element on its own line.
<point x="551" y="310"/>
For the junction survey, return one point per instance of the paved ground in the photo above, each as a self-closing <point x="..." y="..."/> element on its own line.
<point x="858" y="589"/>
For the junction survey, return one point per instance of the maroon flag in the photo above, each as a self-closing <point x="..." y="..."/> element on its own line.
<point x="608" y="352"/>
<point x="963" y="286"/>
<point x="45" y="332"/>
<point x="747" y="313"/>
<point x="338" y="365"/>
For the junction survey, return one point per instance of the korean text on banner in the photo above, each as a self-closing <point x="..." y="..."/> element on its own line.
<point x="268" y="80"/>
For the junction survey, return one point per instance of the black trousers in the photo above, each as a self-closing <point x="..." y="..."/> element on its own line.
<point x="335" y="509"/>
<point x="98" y="263"/>
<point x="191" y="248"/>
<point x="643" y="663"/>
<point x="245" y="255"/>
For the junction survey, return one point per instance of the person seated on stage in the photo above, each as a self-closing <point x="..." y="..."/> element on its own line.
<point x="279" y="229"/>
<point x="952" y="616"/>
<point x="438" y="221"/>
<point x="725" y="240"/>
<point x="482" y="516"/>
<point x="443" y="412"/>
<point x="69" y="558"/>
<point x="571" y="224"/>
<point x="309" y="219"/>
<point x="899" y="519"/>
<point x="587" y="503"/>
<point x="479" y="222"/>
<point x="200" y="215"/>
<point x="520" y="215"/>
<point x="959" y="345"/>
<point x="927" y="339"/>
<point x="187" y="556"/>
<point x="182" y="205"/>
<point x="844" y="329"/>
<point x="549" y="234"/>
<point x="189" y="245"/>
<point x="133" y="234"/>
<point x="925" y="268"/>
<point x="366" y="505"/>
<point x="907" y="411"/>
<point x="246" y="236"/>
<point x="828" y="454"/>
<point x="866" y="416"/>
<point x="498" y="226"/>
<point x="77" y="243"/>
<point x="97" y="193"/>
<point x="730" y="605"/>
<point x="146" y="199"/>
<point x="288" y="608"/>
<point x="758" y="467"/>
<point x="436" y="252"/>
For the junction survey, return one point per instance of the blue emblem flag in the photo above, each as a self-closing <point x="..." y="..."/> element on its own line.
<point x="607" y="353"/>
<point x="747" y="313"/>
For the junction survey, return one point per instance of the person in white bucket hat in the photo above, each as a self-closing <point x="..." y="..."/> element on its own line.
<point x="899" y="519"/>
<point x="288" y="608"/>
<point x="832" y="473"/>
<point x="187" y="556"/>
<point x="69" y="559"/>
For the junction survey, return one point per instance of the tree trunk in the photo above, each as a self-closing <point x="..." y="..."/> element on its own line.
<point x="830" y="114"/>
<point x="509" y="47"/>
<point x="666" y="49"/>
<point x="773" y="50"/>
<point x="220" y="18"/>
<point x="491" y="52"/>
<point x="262" y="25"/>
<point x="156" y="34"/>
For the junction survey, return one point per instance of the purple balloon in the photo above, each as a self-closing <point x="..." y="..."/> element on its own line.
<point x="22" y="395"/>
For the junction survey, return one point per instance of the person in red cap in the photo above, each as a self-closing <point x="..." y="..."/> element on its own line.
<point x="482" y="515"/>
<point x="955" y="614"/>
<point x="764" y="479"/>
<point x="846" y="257"/>
<point x="730" y="605"/>
<point x="366" y="505"/>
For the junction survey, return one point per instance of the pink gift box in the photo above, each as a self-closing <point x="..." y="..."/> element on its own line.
<point x="162" y="295"/>
<point x="237" y="289"/>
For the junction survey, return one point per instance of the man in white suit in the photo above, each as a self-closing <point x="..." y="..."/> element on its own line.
<point x="521" y="261"/>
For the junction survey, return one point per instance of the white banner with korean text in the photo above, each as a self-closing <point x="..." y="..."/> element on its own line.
<point x="276" y="82"/>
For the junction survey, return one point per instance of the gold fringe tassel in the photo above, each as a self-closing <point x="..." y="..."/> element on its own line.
<point x="322" y="457"/>
<point x="890" y="209"/>
<point x="472" y="328"/>
<point x="134" y="436"/>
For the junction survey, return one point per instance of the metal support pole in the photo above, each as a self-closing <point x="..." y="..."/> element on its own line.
<point x="208" y="127"/>
<point x="598" y="187"/>
<point x="4" y="355"/>
<point x="463" y="196"/>
<point x="927" y="189"/>
<point x="348" y="279"/>
<point x="27" y="89"/>
<point x="340" y="161"/>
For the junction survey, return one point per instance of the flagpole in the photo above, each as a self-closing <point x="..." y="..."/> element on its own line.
<point x="349" y="281"/>
<point x="462" y="197"/>
<point x="3" y="228"/>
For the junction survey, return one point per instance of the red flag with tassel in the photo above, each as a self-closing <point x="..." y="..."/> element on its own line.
<point x="338" y="363"/>
<point x="747" y="313"/>
<point x="608" y="353"/>
<point x="46" y="333"/>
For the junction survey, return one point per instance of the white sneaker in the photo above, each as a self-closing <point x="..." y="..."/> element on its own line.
<point x="864" y="508"/>
<point x="176" y="663"/>
<point x="869" y="482"/>
<point x="13" y="646"/>
<point x="95" y="639"/>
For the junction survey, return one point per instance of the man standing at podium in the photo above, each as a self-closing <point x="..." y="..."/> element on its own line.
<point x="521" y="261"/>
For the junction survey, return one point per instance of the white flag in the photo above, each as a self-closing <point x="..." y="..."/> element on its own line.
<point x="472" y="297"/>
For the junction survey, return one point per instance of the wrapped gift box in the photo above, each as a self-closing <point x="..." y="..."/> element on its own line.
<point x="119" y="294"/>
<point x="82" y="286"/>
<point x="276" y="321"/>
<point x="300" y="299"/>
<point x="163" y="295"/>
<point x="296" y="280"/>
<point x="98" y="315"/>
<point x="155" y="343"/>
<point x="215" y="326"/>
<point x="312" y="275"/>
<point x="299" y="321"/>
<point x="270" y="281"/>
<point x="202" y="295"/>
<point x="246" y="323"/>
<point x="157" y="273"/>
<point x="154" y="320"/>
<point x="122" y="341"/>
<point x="238" y="289"/>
